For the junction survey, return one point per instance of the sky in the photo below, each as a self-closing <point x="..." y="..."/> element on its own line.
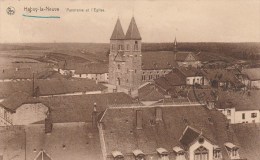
<point x="157" y="20"/>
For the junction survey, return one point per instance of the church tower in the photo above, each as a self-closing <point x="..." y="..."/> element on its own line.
<point x="125" y="58"/>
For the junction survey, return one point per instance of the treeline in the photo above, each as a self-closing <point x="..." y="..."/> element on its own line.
<point x="244" y="51"/>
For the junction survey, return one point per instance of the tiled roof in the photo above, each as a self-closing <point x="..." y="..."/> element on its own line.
<point x="241" y="100"/>
<point x="133" y="32"/>
<point x="77" y="108"/>
<point x="92" y="68"/>
<point x="158" y="60"/>
<point x="189" y="136"/>
<point x="150" y="92"/>
<point x="252" y="73"/>
<point x="12" y="73"/>
<point x="201" y="95"/>
<point x="248" y="136"/>
<point x="84" y="68"/>
<point x="189" y="72"/>
<point x="118" y="33"/>
<point x="165" y="134"/>
<point x="55" y="86"/>
<point x="181" y="56"/>
<point x="75" y="141"/>
<point x="170" y="81"/>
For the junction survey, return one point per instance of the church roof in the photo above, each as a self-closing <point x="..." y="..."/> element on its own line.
<point x="133" y="32"/>
<point x="118" y="33"/>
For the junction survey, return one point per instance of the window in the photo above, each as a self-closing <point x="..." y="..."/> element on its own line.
<point x="228" y="112"/>
<point x="118" y="66"/>
<point x="113" y="47"/>
<point x="253" y="115"/>
<point x="135" y="70"/>
<point x="201" y="153"/>
<point x="143" y="77"/>
<point x="243" y="115"/>
<point x="234" y="152"/>
<point x="136" y="46"/>
<point x="217" y="153"/>
<point x="120" y="47"/>
<point x="127" y="47"/>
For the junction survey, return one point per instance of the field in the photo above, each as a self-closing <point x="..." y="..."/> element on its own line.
<point x="98" y="52"/>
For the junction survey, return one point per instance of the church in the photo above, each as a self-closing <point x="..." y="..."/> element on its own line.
<point x="129" y="68"/>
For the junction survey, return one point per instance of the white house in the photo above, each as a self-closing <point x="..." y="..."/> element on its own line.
<point x="240" y="114"/>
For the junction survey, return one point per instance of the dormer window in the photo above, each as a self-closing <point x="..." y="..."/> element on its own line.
<point x="117" y="155"/>
<point x="232" y="150"/>
<point x="217" y="152"/>
<point x="139" y="155"/>
<point x="180" y="153"/>
<point x="163" y="154"/>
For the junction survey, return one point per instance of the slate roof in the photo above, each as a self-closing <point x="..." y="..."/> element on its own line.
<point x="240" y="100"/>
<point x="170" y="81"/>
<point x="118" y="33"/>
<point x="201" y="95"/>
<point x="12" y="73"/>
<point x="92" y="68"/>
<point x="150" y="92"/>
<point x="248" y="136"/>
<point x="165" y="134"/>
<point x="84" y="68"/>
<point x="75" y="141"/>
<point x="181" y="56"/>
<point x="55" y="86"/>
<point x="132" y="31"/>
<point x="189" y="72"/>
<point x="252" y="73"/>
<point x="158" y="60"/>
<point x="189" y="136"/>
<point x="77" y="108"/>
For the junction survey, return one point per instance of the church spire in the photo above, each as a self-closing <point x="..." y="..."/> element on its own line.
<point x="175" y="45"/>
<point x="118" y="33"/>
<point x="133" y="32"/>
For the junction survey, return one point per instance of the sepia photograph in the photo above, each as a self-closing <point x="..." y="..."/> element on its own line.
<point x="129" y="80"/>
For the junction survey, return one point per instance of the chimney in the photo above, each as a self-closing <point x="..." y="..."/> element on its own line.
<point x="158" y="114"/>
<point x="139" y="119"/>
<point x="48" y="124"/>
<point x="94" y="116"/>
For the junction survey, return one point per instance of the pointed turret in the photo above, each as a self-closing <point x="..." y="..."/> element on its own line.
<point x="175" y="45"/>
<point x="118" y="33"/>
<point x="133" y="32"/>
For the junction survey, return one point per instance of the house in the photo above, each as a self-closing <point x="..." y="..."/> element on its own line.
<point x="222" y="78"/>
<point x="166" y="132"/>
<point x="192" y="75"/>
<point x="251" y="78"/>
<point x="187" y="59"/>
<point x="94" y="71"/>
<point x="241" y="107"/>
<point x="157" y="64"/>
<point x="22" y="109"/>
